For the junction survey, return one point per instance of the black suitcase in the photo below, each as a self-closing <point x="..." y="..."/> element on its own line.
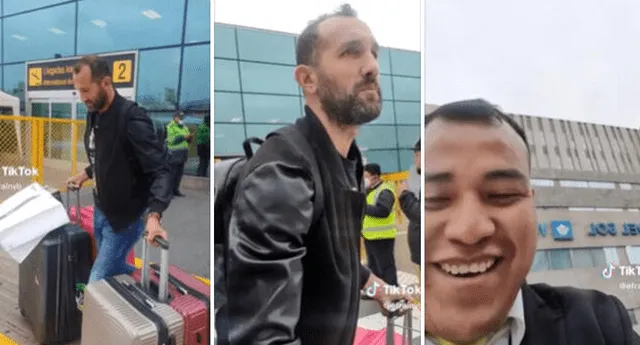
<point x="51" y="282"/>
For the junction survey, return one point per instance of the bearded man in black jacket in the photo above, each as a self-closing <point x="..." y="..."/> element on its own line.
<point x="294" y="274"/>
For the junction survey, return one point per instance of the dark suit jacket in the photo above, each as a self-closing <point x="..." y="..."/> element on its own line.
<point x="571" y="316"/>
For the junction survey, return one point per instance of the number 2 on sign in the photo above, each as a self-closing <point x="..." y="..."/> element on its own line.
<point x="121" y="71"/>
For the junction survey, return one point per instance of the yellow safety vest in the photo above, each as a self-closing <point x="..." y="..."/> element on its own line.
<point x="374" y="228"/>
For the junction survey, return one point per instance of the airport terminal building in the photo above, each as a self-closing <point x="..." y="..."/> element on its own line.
<point x="587" y="181"/>
<point x="255" y="93"/>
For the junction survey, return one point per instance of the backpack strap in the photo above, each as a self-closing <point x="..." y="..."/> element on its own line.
<point x="293" y="132"/>
<point x="123" y="121"/>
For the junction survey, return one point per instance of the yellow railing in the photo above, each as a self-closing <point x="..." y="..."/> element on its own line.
<point x="49" y="148"/>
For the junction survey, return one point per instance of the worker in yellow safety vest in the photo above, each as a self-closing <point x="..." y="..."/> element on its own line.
<point x="379" y="226"/>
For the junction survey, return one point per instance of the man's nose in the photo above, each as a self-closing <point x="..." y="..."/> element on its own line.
<point x="371" y="67"/>
<point x="470" y="222"/>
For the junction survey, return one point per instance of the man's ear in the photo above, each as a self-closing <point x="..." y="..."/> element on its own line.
<point x="306" y="78"/>
<point x="106" y="81"/>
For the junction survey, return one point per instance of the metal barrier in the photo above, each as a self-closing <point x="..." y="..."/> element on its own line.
<point x="43" y="150"/>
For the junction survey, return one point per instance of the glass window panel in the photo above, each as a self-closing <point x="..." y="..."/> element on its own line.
<point x="387" y="116"/>
<point x="107" y="25"/>
<point x="406" y="89"/>
<point x="404" y="62"/>
<point x="227" y="107"/>
<point x="625" y="186"/>
<point x="226" y="76"/>
<point x="602" y="185"/>
<point x="611" y="255"/>
<point x="599" y="257"/>
<point x="406" y="159"/>
<point x="263" y="78"/>
<point x="408" y="112"/>
<point x="198" y="26"/>
<point x="196" y="76"/>
<point x="542" y="183"/>
<point x="40" y="34"/>
<point x="225" y="42"/>
<point x="540" y="261"/>
<point x="385" y="87"/>
<point x="632" y="316"/>
<point x="261" y="131"/>
<point x="227" y="139"/>
<point x="271" y="109"/>
<point x="158" y="91"/>
<point x="574" y="184"/>
<point x="633" y="252"/>
<point x="383" y="61"/>
<point x="15" y="6"/>
<point x="14" y="81"/>
<point x="581" y="258"/>
<point x="559" y="259"/>
<point x="263" y="46"/>
<point x="377" y="137"/>
<point x="387" y="159"/>
<point x="408" y="136"/>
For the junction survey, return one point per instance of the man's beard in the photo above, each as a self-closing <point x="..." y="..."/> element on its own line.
<point x="346" y="109"/>
<point x="100" y="101"/>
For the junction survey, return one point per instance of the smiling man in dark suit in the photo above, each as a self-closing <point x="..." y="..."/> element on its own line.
<point x="480" y="240"/>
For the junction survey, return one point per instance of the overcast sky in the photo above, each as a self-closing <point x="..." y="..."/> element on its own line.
<point x="395" y="23"/>
<point x="572" y="59"/>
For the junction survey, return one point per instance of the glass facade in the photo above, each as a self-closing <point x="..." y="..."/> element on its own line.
<point x="172" y="38"/>
<point x="255" y="93"/>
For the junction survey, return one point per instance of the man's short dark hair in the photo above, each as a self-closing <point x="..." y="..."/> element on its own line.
<point x="98" y="66"/>
<point x="476" y="111"/>
<point x="373" y="169"/>
<point x="308" y="40"/>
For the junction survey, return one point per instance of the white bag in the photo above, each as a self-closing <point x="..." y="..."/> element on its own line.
<point x="27" y="217"/>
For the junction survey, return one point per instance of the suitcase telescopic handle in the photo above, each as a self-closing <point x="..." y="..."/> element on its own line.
<point x="76" y="189"/>
<point x="163" y="287"/>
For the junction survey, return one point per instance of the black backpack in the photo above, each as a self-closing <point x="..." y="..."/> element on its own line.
<point x="226" y="177"/>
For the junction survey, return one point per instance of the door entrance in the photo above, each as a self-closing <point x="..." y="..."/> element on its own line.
<point x="57" y="130"/>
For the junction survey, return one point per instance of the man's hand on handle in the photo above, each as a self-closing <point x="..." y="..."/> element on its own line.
<point x="77" y="180"/>
<point x="154" y="229"/>
<point x="392" y="300"/>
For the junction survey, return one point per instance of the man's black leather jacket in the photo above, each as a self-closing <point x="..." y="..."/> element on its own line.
<point x="291" y="280"/>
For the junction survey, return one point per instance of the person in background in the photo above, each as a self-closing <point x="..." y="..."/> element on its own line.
<point x="178" y="139"/>
<point x="203" y="139"/>
<point x="410" y="204"/>
<point x="129" y="168"/>
<point x="480" y="241"/>
<point x="379" y="225"/>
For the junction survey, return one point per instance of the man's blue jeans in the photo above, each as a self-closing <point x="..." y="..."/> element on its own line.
<point x="113" y="247"/>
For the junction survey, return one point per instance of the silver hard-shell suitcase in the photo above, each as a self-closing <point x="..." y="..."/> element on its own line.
<point x="119" y="311"/>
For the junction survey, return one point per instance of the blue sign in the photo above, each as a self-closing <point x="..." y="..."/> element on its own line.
<point x="609" y="229"/>
<point x="542" y="229"/>
<point x="562" y="230"/>
<point x="602" y="229"/>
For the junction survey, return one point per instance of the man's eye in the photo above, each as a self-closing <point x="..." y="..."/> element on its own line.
<point x="435" y="202"/>
<point x="503" y="198"/>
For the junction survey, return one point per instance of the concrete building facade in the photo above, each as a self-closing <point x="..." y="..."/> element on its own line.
<point x="587" y="182"/>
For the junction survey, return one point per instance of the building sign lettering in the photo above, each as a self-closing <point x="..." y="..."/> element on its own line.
<point x="610" y="229"/>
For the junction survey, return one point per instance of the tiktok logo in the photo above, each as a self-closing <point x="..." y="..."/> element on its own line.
<point x="371" y="290"/>
<point x="607" y="273"/>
